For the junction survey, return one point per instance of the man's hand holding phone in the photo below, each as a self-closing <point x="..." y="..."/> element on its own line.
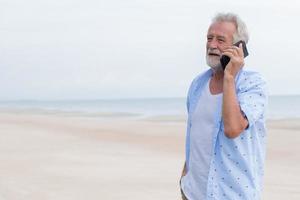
<point x="232" y="58"/>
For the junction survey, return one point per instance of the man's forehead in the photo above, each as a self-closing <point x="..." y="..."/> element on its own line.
<point x="222" y="29"/>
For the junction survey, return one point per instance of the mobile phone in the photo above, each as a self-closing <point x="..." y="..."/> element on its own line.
<point x="225" y="59"/>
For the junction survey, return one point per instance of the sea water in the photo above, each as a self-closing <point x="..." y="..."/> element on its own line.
<point x="280" y="107"/>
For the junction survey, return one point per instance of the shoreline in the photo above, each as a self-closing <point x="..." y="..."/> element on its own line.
<point x="121" y="115"/>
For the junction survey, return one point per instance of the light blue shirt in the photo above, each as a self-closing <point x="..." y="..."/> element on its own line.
<point x="194" y="183"/>
<point x="237" y="165"/>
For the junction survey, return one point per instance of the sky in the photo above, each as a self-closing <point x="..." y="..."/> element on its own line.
<point x="95" y="49"/>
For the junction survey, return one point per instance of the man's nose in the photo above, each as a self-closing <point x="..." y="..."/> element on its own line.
<point x="213" y="44"/>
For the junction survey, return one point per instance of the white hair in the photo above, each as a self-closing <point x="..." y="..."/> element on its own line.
<point x="241" y="28"/>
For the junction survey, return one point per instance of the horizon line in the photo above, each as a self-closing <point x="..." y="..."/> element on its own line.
<point x="115" y="98"/>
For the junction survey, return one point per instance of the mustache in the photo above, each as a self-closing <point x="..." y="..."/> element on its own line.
<point x="215" y="52"/>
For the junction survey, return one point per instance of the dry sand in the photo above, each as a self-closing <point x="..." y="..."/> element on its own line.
<point x="65" y="157"/>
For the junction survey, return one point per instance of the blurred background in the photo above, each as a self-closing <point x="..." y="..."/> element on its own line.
<point x="134" y="49"/>
<point x="89" y="86"/>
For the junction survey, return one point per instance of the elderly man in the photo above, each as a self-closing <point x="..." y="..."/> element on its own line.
<point x="225" y="141"/>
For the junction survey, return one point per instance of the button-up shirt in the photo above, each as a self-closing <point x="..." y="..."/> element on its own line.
<point x="236" y="168"/>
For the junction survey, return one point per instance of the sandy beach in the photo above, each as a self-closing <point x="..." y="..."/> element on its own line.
<point x="57" y="156"/>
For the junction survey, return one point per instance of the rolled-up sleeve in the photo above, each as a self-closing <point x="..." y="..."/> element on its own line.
<point x="253" y="97"/>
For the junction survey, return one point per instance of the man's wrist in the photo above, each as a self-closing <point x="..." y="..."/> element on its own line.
<point x="228" y="77"/>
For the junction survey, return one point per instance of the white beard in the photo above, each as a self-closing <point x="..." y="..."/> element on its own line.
<point x="213" y="62"/>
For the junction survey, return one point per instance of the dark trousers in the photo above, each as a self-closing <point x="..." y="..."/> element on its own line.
<point x="182" y="194"/>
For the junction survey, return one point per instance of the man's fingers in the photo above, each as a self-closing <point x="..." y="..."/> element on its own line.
<point x="240" y="50"/>
<point x="228" y="53"/>
<point x="232" y="51"/>
<point x="237" y="51"/>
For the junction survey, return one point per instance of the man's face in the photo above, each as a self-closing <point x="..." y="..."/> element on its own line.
<point x="219" y="37"/>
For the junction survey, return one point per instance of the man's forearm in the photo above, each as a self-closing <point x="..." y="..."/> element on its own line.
<point x="234" y="121"/>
